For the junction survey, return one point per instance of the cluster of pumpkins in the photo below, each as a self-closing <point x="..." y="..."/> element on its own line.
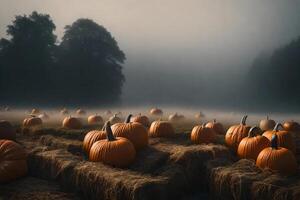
<point x="274" y="149"/>
<point x="13" y="157"/>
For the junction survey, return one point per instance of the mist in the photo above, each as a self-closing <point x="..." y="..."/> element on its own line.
<point x="186" y="53"/>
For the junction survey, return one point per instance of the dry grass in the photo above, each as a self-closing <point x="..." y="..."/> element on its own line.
<point x="243" y="180"/>
<point x="34" y="189"/>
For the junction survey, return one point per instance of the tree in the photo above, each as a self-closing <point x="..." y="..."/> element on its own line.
<point x="26" y="58"/>
<point x="90" y="60"/>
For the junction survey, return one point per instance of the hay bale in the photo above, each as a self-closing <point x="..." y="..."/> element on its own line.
<point x="33" y="188"/>
<point x="243" y="180"/>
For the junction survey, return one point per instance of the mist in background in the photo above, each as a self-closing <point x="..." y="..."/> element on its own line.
<point x="195" y="52"/>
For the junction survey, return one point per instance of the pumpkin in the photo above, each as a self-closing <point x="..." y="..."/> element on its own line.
<point x="13" y="162"/>
<point x="252" y="145"/>
<point x="175" y="117"/>
<point x="217" y="126"/>
<point x="72" y="123"/>
<point x="7" y="131"/>
<point x="133" y="131"/>
<point x="32" y="121"/>
<point x="80" y="112"/>
<point x="203" y="135"/>
<point x="118" y="152"/>
<point x="285" y="138"/>
<point x="115" y="119"/>
<point x="44" y="116"/>
<point x="35" y="111"/>
<point x="95" y="119"/>
<point x="144" y="120"/>
<point x="267" y="124"/>
<point x="236" y="133"/>
<point x="92" y="137"/>
<point x="64" y="111"/>
<point x="277" y="158"/>
<point x="199" y="115"/>
<point x="291" y="126"/>
<point x="161" y="129"/>
<point x="156" y="111"/>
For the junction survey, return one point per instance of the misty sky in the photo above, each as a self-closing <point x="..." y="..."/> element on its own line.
<point x="183" y="36"/>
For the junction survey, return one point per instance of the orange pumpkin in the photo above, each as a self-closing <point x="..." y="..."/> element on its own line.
<point x="267" y="124"/>
<point x="291" y="126"/>
<point x="156" y="111"/>
<point x="95" y="119"/>
<point x="285" y="138"/>
<point x="32" y="121"/>
<point x="217" y="126"/>
<point x="133" y="131"/>
<point x="80" y="112"/>
<point x="203" y="135"/>
<point x="161" y="129"/>
<point x="13" y="162"/>
<point x="236" y="133"/>
<point x="115" y="119"/>
<point x="92" y="137"/>
<point x="72" y="123"/>
<point x="252" y="145"/>
<point x="277" y="158"/>
<point x="7" y="131"/>
<point x="144" y="120"/>
<point x="118" y="152"/>
<point x="175" y="117"/>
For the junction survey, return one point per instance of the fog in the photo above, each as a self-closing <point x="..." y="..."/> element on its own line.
<point x="178" y="52"/>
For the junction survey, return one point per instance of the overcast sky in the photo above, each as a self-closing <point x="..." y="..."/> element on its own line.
<point x="193" y="35"/>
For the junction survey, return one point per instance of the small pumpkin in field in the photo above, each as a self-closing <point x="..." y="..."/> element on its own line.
<point x="156" y="111"/>
<point x="203" y="135"/>
<point x="7" y="131"/>
<point x="80" y="112"/>
<point x="13" y="161"/>
<point x="267" y="124"/>
<point x="92" y="137"/>
<point x="285" y="138"/>
<point x="291" y="126"/>
<point x="115" y="119"/>
<point x="35" y="111"/>
<point x="32" y="121"/>
<point x="72" y="123"/>
<point x="64" y="111"/>
<point x="251" y="146"/>
<point x="217" y="126"/>
<point x="118" y="152"/>
<point x="236" y="133"/>
<point x="95" y="119"/>
<point x="175" y="117"/>
<point x="44" y="116"/>
<point x="277" y="158"/>
<point x="161" y="129"/>
<point x="133" y="131"/>
<point x="144" y="120"/>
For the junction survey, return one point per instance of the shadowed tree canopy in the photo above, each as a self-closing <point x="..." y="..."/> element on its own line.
<point x="84" y="68"/>
<point x="90" y="61"/>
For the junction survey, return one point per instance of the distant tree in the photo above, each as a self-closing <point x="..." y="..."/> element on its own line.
<point x="90" y="61"/>
<point x="26" y="58"/>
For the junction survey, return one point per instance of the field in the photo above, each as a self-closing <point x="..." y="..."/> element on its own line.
<point x="169" y="168"/>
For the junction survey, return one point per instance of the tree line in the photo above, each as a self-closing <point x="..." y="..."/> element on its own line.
<point x="84" y="68"/>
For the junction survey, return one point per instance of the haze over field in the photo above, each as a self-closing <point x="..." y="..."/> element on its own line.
<point x="194" y="52"/>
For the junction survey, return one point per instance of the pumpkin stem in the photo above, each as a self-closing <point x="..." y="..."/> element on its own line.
<point x="109" y="133"/>
<point x="140" y="114"/>
<point x="243" y="120"/>
<point x="128" y="118"/>
<point x="214" y="120"/>
<point x="276" y="127"/>
<point x="252" y="131"/>
<point x="274" y="141"/>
